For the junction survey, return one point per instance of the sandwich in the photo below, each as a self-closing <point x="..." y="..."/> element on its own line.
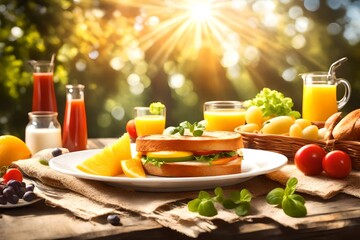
<point x="211" y="154"/>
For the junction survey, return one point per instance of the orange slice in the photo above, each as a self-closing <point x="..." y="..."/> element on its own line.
<point x="133" y="168"/>
<point x="107" y="161"/>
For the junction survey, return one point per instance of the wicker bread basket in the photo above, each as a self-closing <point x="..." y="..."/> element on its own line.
<point x="289" y="145"/>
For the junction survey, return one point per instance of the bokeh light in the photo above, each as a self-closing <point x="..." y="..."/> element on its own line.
<point x="181" y="52"/>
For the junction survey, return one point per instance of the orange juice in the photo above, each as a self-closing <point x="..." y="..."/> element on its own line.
<point x="319" y="102"/>
<point x="149" y="124"/>
<point x="224" y="120"/>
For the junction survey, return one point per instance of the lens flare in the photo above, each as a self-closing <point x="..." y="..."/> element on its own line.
<point x="200" y="11"/>
<point x="185" y="27"/>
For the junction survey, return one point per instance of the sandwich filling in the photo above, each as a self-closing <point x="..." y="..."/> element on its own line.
<point x="210" y="157"/>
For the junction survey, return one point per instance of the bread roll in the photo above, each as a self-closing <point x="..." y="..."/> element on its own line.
<point x="349" y="127"/>
<point x="330" y="123"/>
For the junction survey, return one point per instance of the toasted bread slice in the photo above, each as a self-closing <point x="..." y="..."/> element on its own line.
<point x="209" y="141"/>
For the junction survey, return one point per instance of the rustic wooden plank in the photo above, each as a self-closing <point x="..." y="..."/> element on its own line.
<point x="39" y="221"/>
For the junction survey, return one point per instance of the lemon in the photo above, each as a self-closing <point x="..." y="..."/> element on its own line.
<point x="133" y="168"/>
<point x="107" y="161"/>
<point x="11" y="149"/>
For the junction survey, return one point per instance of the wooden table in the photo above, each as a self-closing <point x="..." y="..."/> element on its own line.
<point x="43" y="222"/>
<point x="39" y="221"/>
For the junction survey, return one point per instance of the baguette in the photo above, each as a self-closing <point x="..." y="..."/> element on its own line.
<point x="330" y="123"/>
<point x="349" y="127"/>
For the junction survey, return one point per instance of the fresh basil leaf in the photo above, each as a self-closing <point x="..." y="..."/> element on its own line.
<point x="207" y="208"/>
<point x="204" y="203"/>
<point x="245" y="195"/>
<point x="292" y="182"/>
<point x="198" y="133"/>
<point x="196" y="129"/>
<point x="184" y="124"/>
<point x="204" y="195"/>
<point x="229" y="203"/>
<point x="290" y="186"/>
<point x="238" y="198"/>
<point x="297" y="197"/>
<point x="242" y="208"/>
<point x="193" y="205"/>
<point x="235" y="196"/>
<point x="275" y="196"/>
<point x="293" y="207"/>
<point x="219" y="195"/>
<point x="191" y="128"/>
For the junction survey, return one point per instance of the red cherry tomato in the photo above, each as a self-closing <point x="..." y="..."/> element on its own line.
<point x="337" y="164"/>
<point x="12" y="174"/>
<point x="131" y="129"/>
<point x="308" y="159"/>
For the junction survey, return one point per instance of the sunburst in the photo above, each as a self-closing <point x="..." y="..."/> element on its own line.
<point x="186" y="26"/>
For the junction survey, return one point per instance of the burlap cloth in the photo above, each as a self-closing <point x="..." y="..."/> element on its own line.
<point x="89" y="199"/>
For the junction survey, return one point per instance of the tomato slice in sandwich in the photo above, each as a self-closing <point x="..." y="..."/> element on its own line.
<point x="221" y="161"/>
<point x="171" y="156"/>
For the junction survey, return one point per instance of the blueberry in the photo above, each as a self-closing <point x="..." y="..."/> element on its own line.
<point x="56" y="152"/>
<point x="30" y="187"/>
<point x="21" y="191"/>
<point x="113" y="219"/>
<point x="14" y="183"/>
<point x="8" y="192"/>
<point x="29" y="196"/>
<point x="14" y="199"/>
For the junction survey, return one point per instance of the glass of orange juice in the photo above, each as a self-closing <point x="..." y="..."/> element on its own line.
<point x="320" y="96"/>
<point x="148" y="122"/>
<point x="224" y="115"/>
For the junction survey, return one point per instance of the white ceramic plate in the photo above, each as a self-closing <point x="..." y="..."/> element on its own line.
<point x="21" y="203"/>
<point x="256" y="162"/>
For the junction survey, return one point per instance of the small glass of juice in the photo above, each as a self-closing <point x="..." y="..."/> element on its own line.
<point x="224" y="115"/>
<point x="148" y="123"/>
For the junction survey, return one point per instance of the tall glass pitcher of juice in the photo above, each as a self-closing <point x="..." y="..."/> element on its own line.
<point x="75" y="127"/>
<point x="44" y="98"/>
<point x="224" y="115"/>
<point x="148" y="123"/>
<point x="320" y="96"/>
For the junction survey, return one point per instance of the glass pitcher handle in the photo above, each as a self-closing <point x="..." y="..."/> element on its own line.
<point x="341" y="103"/>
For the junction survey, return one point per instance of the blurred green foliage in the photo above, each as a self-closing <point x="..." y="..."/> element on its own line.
<point x="103" y="45"/>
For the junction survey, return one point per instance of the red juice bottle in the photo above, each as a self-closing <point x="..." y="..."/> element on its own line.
<point x="75" y="127"/>
<point x="44" y="98"/>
